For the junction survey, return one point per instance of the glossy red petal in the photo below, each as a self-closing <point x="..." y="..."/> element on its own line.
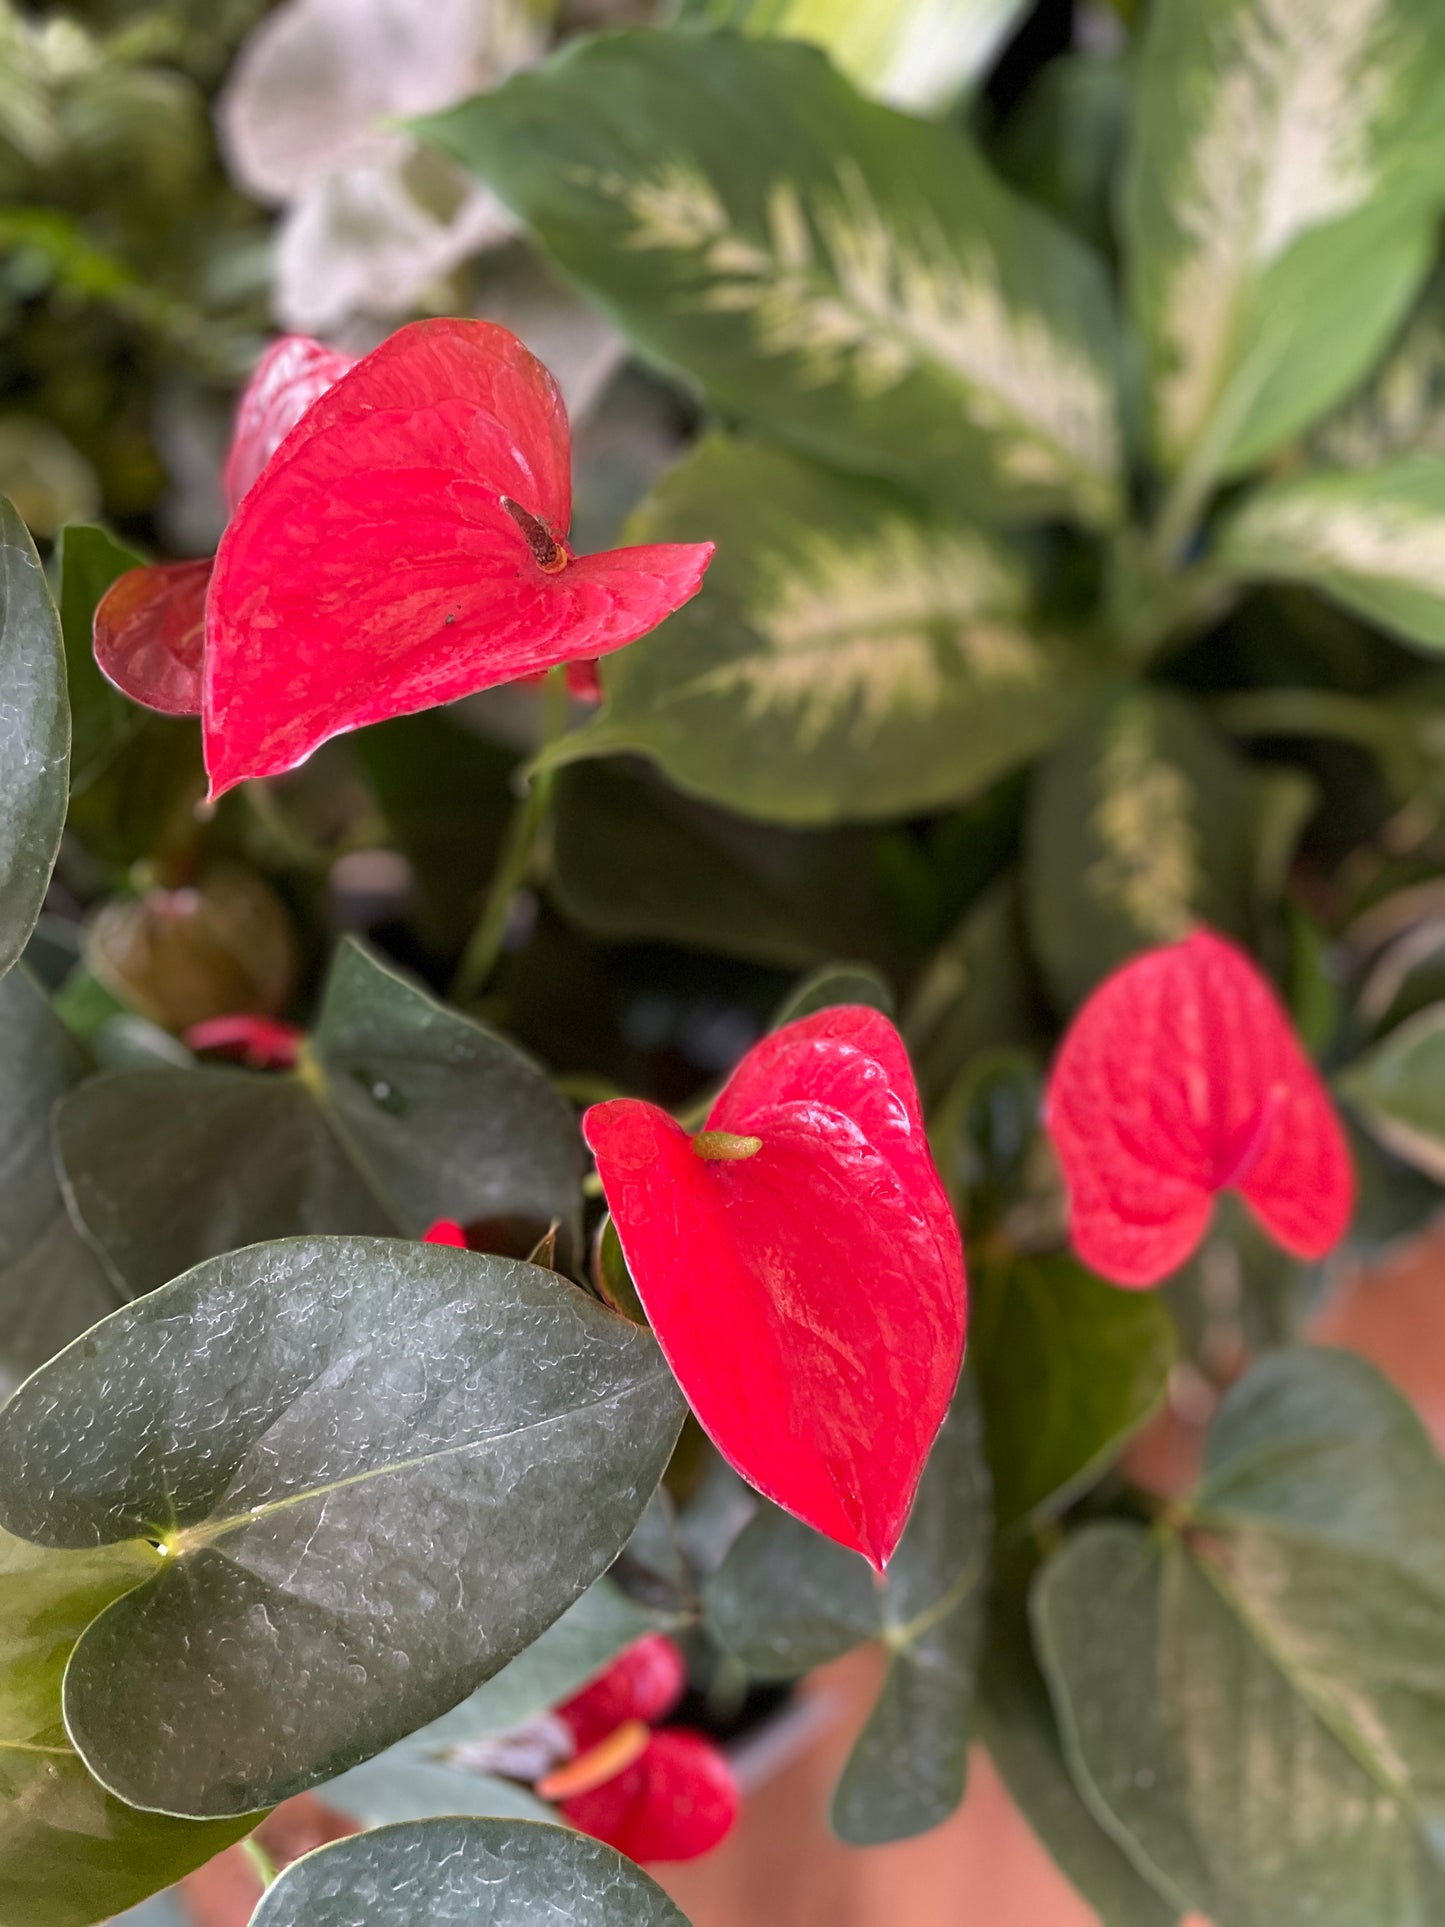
<point x="294" y="372"/>
<point x="149" y="635"/>
<point x="677" y="1801"/>
<point x="376" y="569"/>
<point x="446" y="1231"/>
<point x="1181" y="1077"/>
<point x="263" y="1043"/>
<point x="643" y="1683"/>
<point x="810" y="1298"/>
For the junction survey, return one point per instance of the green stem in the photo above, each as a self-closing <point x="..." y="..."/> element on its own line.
<point x="1309" y="712"/>
<point x="518" y="855"/>
<point x="262" y="1865"/>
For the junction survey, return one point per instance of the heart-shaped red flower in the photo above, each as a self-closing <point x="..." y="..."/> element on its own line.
<point x="644" y="1682"/>
<point x="676" y="1800"/>
<point x="801" y="1268"/>
<point x="1181" y="1077"/>
<point x="150" y="625"/>
<point x="406" y="546"/>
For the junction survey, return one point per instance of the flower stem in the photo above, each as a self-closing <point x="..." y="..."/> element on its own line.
<point x="518" y="855"/>
<point x="262" y="1865"/>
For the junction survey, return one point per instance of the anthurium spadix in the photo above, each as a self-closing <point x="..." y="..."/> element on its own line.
<point x="1182" y="1077"/>
<point x="406" y="546"/>
<point x="150" y="625"/>
<point x="801" y="1269"/>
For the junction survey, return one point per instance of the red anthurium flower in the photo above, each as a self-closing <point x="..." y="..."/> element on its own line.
<point x="1181" y="1077"/>
<point x="446" y="1231"/>
<point x="261" y="1043"/>
<point x="801" y="1269"/>
<point x="643" y="1683"/>
<point x="406" y="546"/>
<point x="150" y="625"/>
<point x="675" y="1800"/>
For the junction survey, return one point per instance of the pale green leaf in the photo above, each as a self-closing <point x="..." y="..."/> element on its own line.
<point x="34" y="736"/>
<point x="1398" y="1088"/>
<point x="1250" y="1696"/>
<point x="916" y="54"/>
<point x="465" y="1873"/>
<point x="1372" y="540"/>
<point x="384" y="1470"/>
<point x="852" y="282"/>
<point x="848" y="658"/>
<point x="1400" y="410"/>
<point x="1280" y="203"/>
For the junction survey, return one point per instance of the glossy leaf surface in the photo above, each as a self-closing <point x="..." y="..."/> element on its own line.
<point x="808" y="1292"/>
<point x="34" y="736"/>
<point x="387" y="1468"/>
<point x="465" y="1873"/>
<point x="376" y="569"/>
<point x="786" y="1600"/>
<point x="852" y="658"/>
<point x="1247" y="1697"/>
<point x="1181" y="1077"/>
<point x="846" y="280"/>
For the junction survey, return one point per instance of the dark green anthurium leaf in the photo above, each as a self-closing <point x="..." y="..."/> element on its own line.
<point x="1280" y="207"/>
<point x="1068" y="1367"/>
<point x="1398" y="1089"/>
<point x="1062" y="145"/>
<point x="843" y="279"/>
<point x="400" y="1112"/>
<point x="633" y="859"/>
<point x="1143" y="823"/>
<point x="1249" y="1694"/>
<point x="465" y="1873"/>
<point x="70" y="1854"/>
<point x="452" y="1766"/>
<point x="445" y="1117"/>
<point x="87" y="560"/>
<point x="34" y="736"/>
<point x="830" y="986"/>
<point x="849" y="659"/>
<point x="785" y="1600"/>
<point x="51" y="1286"/>
<point x="1372" y="540"/>
<point x="1016" y="1723"/>
<point x="385" y="1469"/>
<point x="917" y="56"/>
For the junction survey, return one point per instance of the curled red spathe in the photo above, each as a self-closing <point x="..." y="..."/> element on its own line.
<point x="809" y="1292"/>
<point x="1179" y="1078"/>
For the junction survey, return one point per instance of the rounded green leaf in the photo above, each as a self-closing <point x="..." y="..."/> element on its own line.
<point x="843" y="279"/>
<point x="381" y="1471"/>
<point x="1249" y="1696"/>
<point x="785" y="1600"/>
<point x="1398" y="1088"/>
<point x="848" y="659"/>
<point x="465" y="1873"/>
<point x="34" y="736"/>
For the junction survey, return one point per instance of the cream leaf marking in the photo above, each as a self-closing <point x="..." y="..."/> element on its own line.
<point x="1150" y="858"/>
<point x="1384" y="540"/>
<point x="866" y="301"/>
<point x="857" y="632"/>
<point x="1287" y="144"/>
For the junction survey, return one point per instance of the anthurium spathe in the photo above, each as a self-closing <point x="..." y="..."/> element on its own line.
<point x="1182" y="1077"/>
<point x="801" y="1269"/>
<point x="150" y="625"/>
<point x="407" y="546"/>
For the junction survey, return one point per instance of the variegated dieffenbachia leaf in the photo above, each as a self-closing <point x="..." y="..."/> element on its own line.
<point x="849" y="660"/>
<point x="1373" y="540"/>
<point x="1279" y="207"/>
<point x="1400" y="410"/>
<point x="845" y="279"/>
<point x="915" y="54"/>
